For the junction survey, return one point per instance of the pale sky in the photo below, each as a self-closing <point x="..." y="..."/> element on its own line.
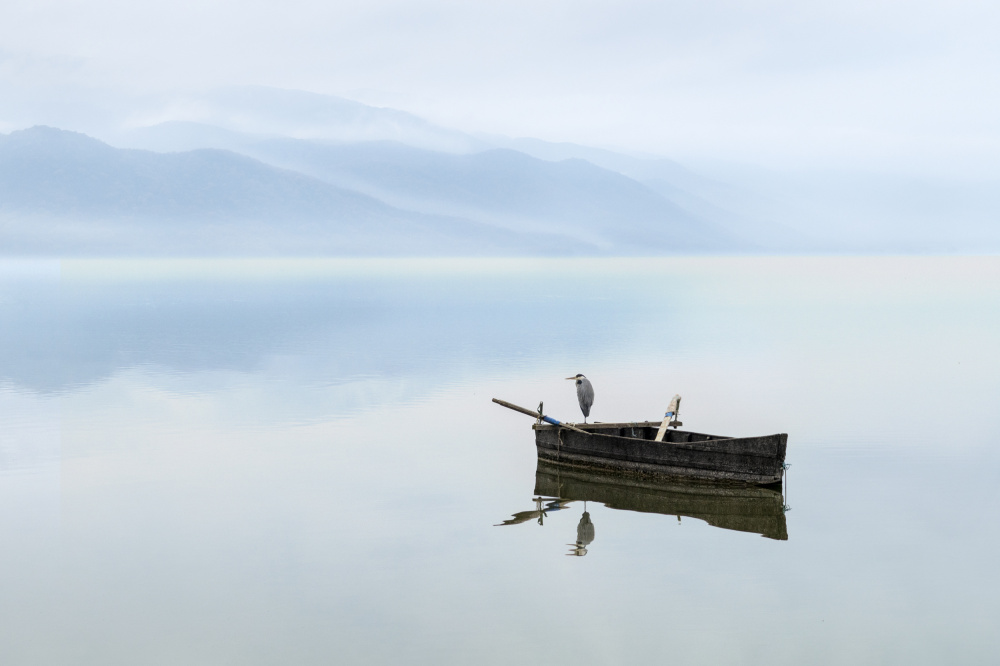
<point x="856" y="82"/>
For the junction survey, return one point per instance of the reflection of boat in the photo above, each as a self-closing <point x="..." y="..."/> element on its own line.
<point x="742" y="508"/>
<point x="631" y="447"/>
<point x="539" y="514"/>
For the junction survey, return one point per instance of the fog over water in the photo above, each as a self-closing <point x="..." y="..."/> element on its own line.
<point x="298" y="461"/>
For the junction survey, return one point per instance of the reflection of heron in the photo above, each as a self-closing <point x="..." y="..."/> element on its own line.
<point x="584" y="534"/>
<point x="585" y="394"/>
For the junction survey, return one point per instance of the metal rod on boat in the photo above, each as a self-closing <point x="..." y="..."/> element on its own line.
<point x="537" y="415"/>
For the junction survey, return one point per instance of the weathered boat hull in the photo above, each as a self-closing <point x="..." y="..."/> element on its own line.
<point x="754" y="509"/>
<point x="629" y="447"/>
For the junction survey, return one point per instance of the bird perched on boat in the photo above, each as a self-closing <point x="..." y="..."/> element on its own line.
<point x="585" y="394"/>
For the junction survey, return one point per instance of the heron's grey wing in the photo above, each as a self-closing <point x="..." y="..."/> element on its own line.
<point x="585" y="393"/>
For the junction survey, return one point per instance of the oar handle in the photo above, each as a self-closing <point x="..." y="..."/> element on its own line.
<point x="510" y="405"/>
<point x="535" y="415"/>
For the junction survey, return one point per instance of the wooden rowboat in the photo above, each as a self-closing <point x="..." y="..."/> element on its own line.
<point x="631" y="448"/>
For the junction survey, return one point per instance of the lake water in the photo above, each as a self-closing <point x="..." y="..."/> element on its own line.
<point x="271" y="462"/>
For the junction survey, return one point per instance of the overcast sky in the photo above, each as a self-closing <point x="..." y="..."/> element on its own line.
<point x="853" y="82"/>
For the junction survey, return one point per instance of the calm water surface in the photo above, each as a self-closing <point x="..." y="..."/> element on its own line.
<point x="266" y="462"/>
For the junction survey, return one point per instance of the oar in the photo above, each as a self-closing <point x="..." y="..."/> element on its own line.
<point x="537" y="415"/>
<point x="670" y="418"/>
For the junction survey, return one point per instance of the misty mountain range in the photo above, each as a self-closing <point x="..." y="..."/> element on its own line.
<point x="64" y="192"/>
<point x="262" y="172"/>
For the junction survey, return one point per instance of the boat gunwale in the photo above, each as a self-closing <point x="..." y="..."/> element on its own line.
<point x="690" y="446"/>
<point x="586" y="427"/>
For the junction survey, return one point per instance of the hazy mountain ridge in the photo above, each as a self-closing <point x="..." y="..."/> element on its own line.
<point x="306" y="115"/>
<point x="63" y="191"/>
<point x="57" y="172"/>
<point x="764" y="209"/>
<point x="673" y="189"/>
<point x="496" y="202"/>
<point x="359" y="179"/>
<point x="251" y="120"/>
<point x="507" y="188"/>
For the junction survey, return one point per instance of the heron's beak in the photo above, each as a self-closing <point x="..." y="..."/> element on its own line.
<point x="571" y="378"/>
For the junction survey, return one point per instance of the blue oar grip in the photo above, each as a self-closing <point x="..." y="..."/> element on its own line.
<point x="549" y="419"/>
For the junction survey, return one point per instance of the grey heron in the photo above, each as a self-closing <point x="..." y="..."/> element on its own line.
<point x="584" y="393"/>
